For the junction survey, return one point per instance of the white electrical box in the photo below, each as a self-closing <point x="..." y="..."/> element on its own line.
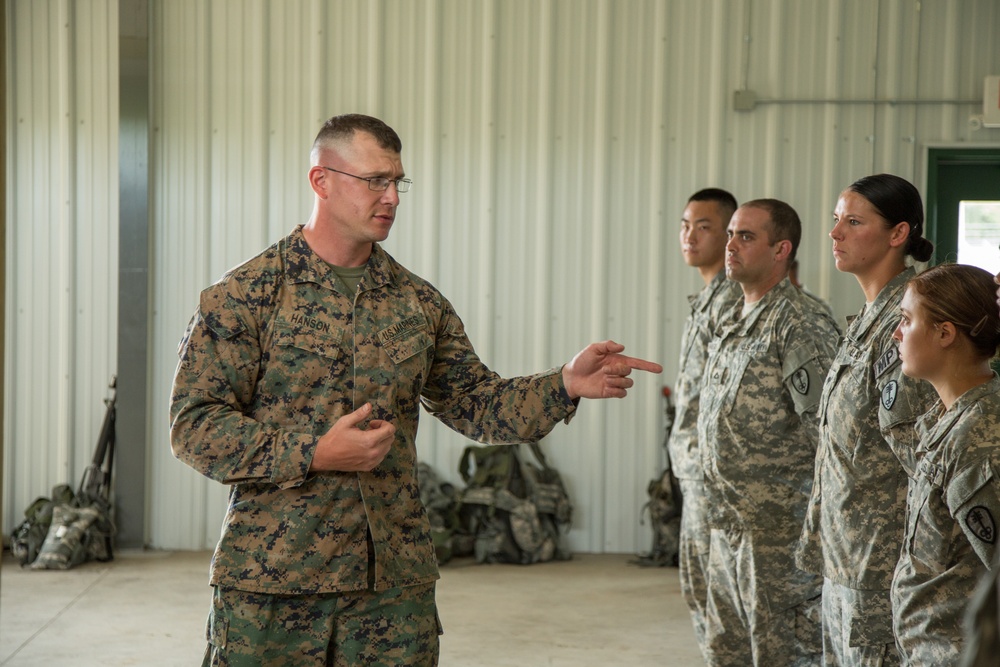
<point x="991" y="102"/>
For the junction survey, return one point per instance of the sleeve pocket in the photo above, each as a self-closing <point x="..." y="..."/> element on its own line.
<point x="976" y="507"/>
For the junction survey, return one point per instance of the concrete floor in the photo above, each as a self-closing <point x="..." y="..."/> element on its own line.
<point x="149" y="608"/>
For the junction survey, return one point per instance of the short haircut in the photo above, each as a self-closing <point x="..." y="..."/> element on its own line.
<point x="342" y="128"/>
<point x="723" y="199"/>
<point x="785" y="223"/>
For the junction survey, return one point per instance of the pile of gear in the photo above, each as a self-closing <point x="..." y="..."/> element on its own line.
<point x="66" y="529"/>
<point x="512" y="510"/>
<point x="664" y="505"/>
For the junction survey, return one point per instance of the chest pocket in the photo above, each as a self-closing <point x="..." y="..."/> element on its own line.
<point x="309" y="353"/>
<point x="408" y="345"/>
<point x="932" y="531"/>
<point x="307" y="340"/>
<point x="846" y="382"/>
<point x="733" y="368"/>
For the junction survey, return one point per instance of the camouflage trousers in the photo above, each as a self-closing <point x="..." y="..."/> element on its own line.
<point x="693" y="555"/>
<point x="398" y="626"/>
<point x="857" y="627"/>
<point x="761" y="609"/>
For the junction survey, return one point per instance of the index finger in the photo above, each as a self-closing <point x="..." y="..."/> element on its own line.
<point x="642" y="364"/>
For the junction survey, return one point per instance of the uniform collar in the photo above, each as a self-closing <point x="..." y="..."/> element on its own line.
<point x="302" y="265"/>
<point x="703" y="297"/>
<point x="782" y="290"/>
<point x="859" y="325"/>
<point x="937" y="421"/>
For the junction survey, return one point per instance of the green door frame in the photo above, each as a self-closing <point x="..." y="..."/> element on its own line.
<point x="942" y="211"/>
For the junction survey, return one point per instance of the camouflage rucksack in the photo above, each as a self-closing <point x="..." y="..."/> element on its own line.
<point x="515" y="510"/>
<point x="63" y="531"/>
<point x="27" y="538"/>
<point x="664" y="505"/>
<point x="438" y="497"/>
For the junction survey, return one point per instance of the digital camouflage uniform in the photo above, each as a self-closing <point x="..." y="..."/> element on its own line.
<point x="952" y="510"/>
<point x="854" y="525"/>
<point x="274" y="355"/>
<point x="685" y="458"/>
<point x="982" y="622"/>
<point x="757" y="430"/>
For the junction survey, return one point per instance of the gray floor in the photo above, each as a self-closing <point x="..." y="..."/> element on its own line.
<point x="149" y="608"/>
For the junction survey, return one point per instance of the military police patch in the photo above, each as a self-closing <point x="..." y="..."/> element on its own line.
<point x="886" y="360"/>
<point x="889" y="395"/>
<point x="800" y="380"/>
<point x="980" y="522"/>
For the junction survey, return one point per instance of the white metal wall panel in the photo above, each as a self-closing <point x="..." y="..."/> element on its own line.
<point x="552" y="144"/>
<point x="62" y="279"/>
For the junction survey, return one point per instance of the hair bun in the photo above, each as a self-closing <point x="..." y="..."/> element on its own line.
<point x="920" y="248"/>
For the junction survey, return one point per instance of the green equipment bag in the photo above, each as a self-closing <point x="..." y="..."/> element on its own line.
<point x="438" y="497"/>
<point x="516" y="511"/>
<point x="665" y="505"/>
<point x="62" y="531"/>
<point x="27" y="538"/>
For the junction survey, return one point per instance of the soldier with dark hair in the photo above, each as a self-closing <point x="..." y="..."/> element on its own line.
<point x="703" y="245"/>
<point x="300" y="381"/>
<point x="758" y="438"/>
<point x="866" y="421"/>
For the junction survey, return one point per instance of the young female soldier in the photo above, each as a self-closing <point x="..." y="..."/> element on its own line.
<point x="854" y="523"/>
<point x="949" y="331"/>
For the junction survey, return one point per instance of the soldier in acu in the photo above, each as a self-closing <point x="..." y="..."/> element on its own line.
<point x="948" y="333"/>
<point x="982" y="621"/>
<point x="758" y="437"/>
<point x="300" y="381"/>
<point x="703" y="245"/>
<point x="866" y="420"/>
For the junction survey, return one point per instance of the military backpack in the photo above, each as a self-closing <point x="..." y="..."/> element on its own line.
<point x="515" y="510"/>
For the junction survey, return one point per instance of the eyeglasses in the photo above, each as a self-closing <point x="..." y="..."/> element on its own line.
<point x="378" y="183"/>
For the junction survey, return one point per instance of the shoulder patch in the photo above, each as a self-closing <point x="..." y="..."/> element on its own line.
<point x="886" y="360"/>
<point x="800" y="380"/>
<point x="981" y="523"/>
<point x="889" y="392"/>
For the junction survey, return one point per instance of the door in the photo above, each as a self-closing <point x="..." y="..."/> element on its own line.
<point x="963" y="205"/>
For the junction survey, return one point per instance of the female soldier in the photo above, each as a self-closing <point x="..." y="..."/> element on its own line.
<point x="949" y="331"/>
<point x="854" y="524"/>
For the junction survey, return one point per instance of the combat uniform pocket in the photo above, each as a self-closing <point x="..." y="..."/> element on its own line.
<point x="321" y="344"/>
<point x="974" y="511"/>
<point x="404" y="347"/>
<point x="217" y="628"/>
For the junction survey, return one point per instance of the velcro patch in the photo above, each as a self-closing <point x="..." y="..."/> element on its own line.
<point x="889" y="392"/>
<point x="886" y="361"/>
<point x="800" y="380"/>
<point x="400" y="328"/>
<point x="981" y="523"/>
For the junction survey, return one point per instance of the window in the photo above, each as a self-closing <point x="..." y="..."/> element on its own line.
<point x="979" y="234"/>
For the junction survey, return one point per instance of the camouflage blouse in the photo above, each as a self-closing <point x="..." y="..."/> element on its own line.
<point x="706" y="307"/>
<point x="757" y="422"/>
<point x="952" y="510"/>
<point x="867" y="413"/>
<point x="274" y="355"/>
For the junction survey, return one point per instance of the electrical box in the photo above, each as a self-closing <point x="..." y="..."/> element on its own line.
<point x="744" y="100"/>
<point x="991" y="102"/>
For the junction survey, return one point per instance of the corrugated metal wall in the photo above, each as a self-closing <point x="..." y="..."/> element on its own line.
<point x="552" y="145"/>
<point x="62" y="242"/>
